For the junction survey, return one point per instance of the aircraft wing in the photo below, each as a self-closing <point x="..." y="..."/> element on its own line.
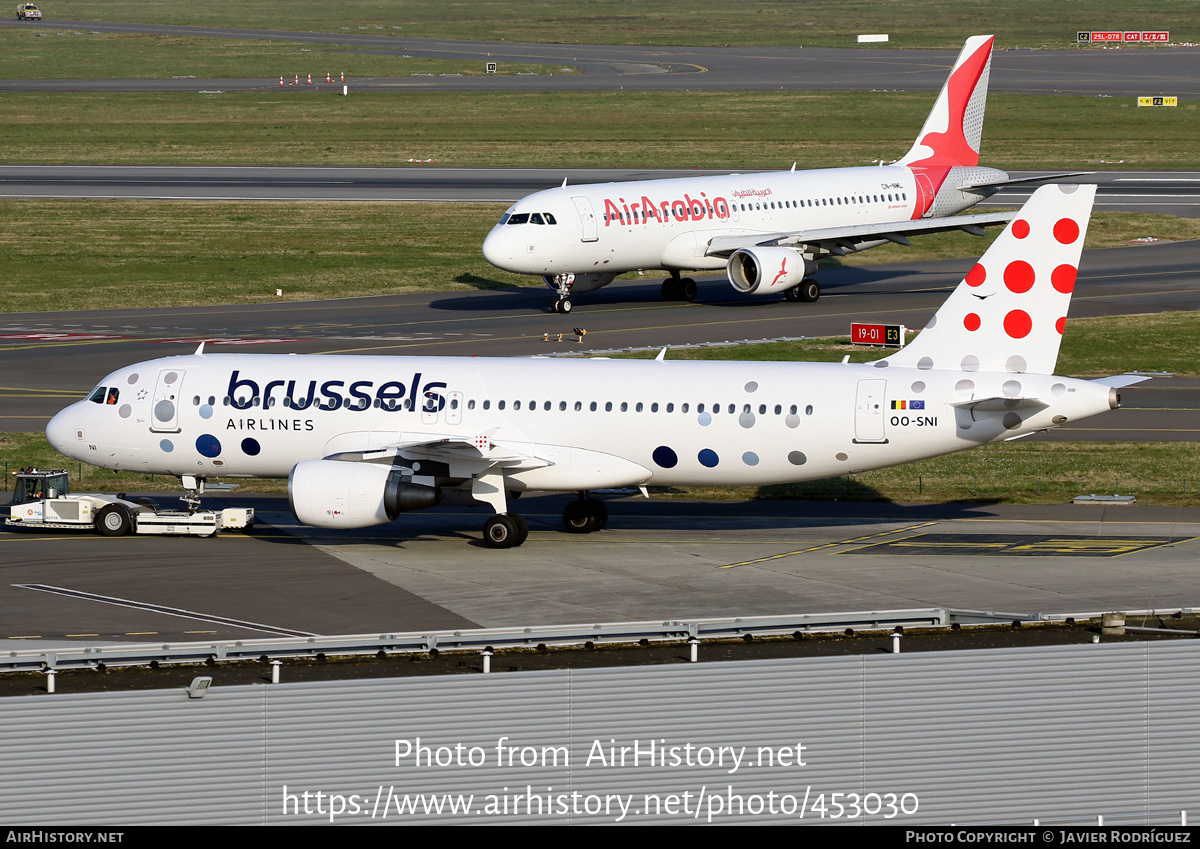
<point x="844" y="240"/>
<point x="479" y="448"/>
<point x="472" y="455"/>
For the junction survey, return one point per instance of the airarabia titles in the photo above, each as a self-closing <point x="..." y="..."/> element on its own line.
<point x="687" y="208"/>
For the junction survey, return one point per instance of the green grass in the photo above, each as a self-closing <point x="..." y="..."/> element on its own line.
<point x="27" y="53"/>
<point x="915" y="23"/>
<point x="94" y="254"/>
<point x="99" y="254"/>
<point x="694" y="129"/>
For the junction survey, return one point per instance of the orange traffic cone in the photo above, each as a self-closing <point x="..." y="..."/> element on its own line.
<point x="281" y="81"/>
<point x="343" y="76"/>
<point x="328" y="78"/>
<point x="310" y="79"/>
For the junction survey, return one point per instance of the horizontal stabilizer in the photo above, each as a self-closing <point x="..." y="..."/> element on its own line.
<point x="1116" y="381"/>
<point x="1000" y="404"/>
<point x="1019" y="181"/>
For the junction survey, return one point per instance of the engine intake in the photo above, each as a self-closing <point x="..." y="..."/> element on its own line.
<point x="337" y="494"/>
<point x="763" y="271"/>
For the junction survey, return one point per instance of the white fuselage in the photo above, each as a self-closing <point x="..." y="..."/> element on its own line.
<point x="619" y="227"/>
<point x="588" y="423"/>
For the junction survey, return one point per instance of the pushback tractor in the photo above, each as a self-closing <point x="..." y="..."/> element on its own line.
<point x="42" y="499"/>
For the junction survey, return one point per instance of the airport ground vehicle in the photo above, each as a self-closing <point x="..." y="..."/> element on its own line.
<point x="28" y="12"/>
<point x="42" y="499"/>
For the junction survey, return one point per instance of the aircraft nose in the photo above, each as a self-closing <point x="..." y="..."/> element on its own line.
<point x="60" y="432"/>
<point x="496" y="249"/>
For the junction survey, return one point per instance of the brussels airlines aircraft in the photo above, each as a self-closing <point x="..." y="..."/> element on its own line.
<point x="767" y="230"/>
<point x="363" y="438"/>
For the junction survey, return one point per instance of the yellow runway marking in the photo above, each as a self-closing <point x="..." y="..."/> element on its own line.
<point x="827" y="545"/>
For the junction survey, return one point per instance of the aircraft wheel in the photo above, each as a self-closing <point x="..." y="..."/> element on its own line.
<point x="565" y="306"/>
<point x="504" y="530"/>
<point x="687" y="289"/>
<point x="522" y="528"/>
<point x="809" y="291"/>
<point x="670" y="289"/>
<point x="113" y="521"/>
<point x="585" y="516"/>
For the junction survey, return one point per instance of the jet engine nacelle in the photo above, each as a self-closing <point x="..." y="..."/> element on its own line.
<point x="764" y="271"/>
<point x="583" y="282"/>
<point x="338" y="494"/>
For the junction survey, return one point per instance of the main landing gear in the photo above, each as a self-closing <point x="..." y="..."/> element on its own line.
<point x="807" y="292"/>
<point x="676" y="288"/>
<point x="505" y="530"/>
<point x="585" y="515"/>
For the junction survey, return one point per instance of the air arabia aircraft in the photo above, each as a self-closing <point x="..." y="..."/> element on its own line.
<point x="363" y="438"/>
<point x="767" y="230"/>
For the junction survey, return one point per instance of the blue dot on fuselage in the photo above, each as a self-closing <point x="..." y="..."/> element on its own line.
<point x="708" y="457"/>
<point x="665" y="457"/>
<point x="208" y="445"/>
<point x="166" y="446"/>
<point x="250" y="446"/>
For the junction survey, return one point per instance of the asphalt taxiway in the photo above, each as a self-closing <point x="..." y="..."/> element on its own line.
<point x="582" y="67"/>
<point x="661" y="559"/>
<point x="1159" y="192"/>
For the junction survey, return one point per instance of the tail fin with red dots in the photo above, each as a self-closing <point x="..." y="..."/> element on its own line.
<point x="1008" y="313"/>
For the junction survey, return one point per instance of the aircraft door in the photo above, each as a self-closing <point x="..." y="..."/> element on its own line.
<point x="454" y="405"/>
<point x="925" y="194"/>
<point x="164" y="410"/>
<point x="587" y="217"/>
<point x="870" y="411"/>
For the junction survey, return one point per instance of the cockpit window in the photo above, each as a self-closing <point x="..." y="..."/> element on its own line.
<point x="503" y="219"/>
<point x="519" y="218"/>
<point x="97" y="396"/>
<point x="550" y="218"/>
<point x="536" y="218"/>
<point x="113" y="395"/>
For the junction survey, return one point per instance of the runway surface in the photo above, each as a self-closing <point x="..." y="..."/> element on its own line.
<point x="1161" y="192"/>
<point x="1091" y="71"/>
